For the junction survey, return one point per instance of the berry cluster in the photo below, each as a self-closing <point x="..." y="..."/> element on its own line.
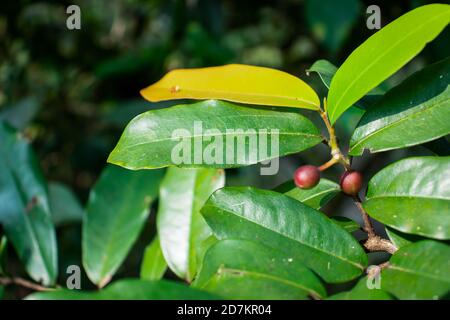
<point x="308" y="176"/>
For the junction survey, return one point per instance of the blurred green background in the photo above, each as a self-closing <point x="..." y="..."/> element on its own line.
<point x="73" y="91"/>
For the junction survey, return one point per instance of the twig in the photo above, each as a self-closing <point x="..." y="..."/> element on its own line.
<point x="374" y="242"/>
<point x="368" y="227"/>
<point x="328" y="164"/>
<point x="332" y="142"/>
<point x="23" y="283"/>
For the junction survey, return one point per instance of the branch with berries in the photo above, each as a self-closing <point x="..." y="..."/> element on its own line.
<point x="351" y="182"/>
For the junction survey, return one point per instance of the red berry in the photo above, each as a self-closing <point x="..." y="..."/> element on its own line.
<point x="306" y="177"/>
<point x="351" y="182"/>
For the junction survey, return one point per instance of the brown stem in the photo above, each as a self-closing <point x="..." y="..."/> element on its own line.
<point x="23" y="283"/>
<point x="368" y="227"/>
<point x="374" y="242"/>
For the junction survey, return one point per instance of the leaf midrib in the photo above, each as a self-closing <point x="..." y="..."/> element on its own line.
<point x="267" y="276"/>
<point x="129" y="146"/>
<point x="329" y="190"/>
<point x="399" y="121"/>
<point x="290" y="238"/>
<point x="36" y="243"/>
<point x="388" y="196"/>
<point x="421" y="274"/>
<point x="111" y="237"/>
<point x="244" y="94"/>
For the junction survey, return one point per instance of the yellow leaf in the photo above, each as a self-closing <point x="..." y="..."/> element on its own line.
<point x="237" y="83"/>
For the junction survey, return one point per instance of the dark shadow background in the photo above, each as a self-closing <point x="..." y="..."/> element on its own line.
<point x="73" y="92"/>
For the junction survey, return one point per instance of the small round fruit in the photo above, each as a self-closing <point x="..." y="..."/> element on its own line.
<point x="306" y="177"/>
<point x="351" y="182"/>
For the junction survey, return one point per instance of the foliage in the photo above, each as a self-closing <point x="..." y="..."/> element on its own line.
<point x="247" y="242"/>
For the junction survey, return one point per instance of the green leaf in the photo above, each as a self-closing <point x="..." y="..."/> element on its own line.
<point x="346" y="223"/>
<point x="315" y="197"/>
<point x="24" y="210"/>
<point x="331" y="21"/>
<point x="413" y="196"/>
<point x="318" y="197"/>
<point x="64" y="205"/>
<point x="414" y="112"/>
<point x="196" y="135"/>
<point x="129" y="289"/>
<point x="181" y="228"/>
<point x="204" y="247"/>
<point x="153" y="265"/>
<point x="240" y="269"/>
<point x="418" y="271"/>
<point x="361" y="292"/>
<point x="326" y="71"/>
<point x="117" y="209"/>
<point x="400" y="239"/>
<point x="383" y="54"/>
<point x="2" y="291"/>
<point x="287" y="225"/>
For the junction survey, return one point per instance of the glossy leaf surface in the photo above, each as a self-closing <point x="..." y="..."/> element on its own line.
<point x="326" y="70"/>
<point x="237" y="83"/>
<point x="413" y="196"/>
<point x="198" y="135"/>
<point x="117" y="209"/>
<point x="24" y="210"/>
<point x="419" y="271"/>
<point x="315" y="197"/>
<point x="361" y="291"/>
<point x="384" y="53"/>
<point x="241" y="269"/>
<point x="129" y="289"/>
<point x="180" y="226"/>
<point x="414" y="112"/>
<point x="287" y="225"/>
